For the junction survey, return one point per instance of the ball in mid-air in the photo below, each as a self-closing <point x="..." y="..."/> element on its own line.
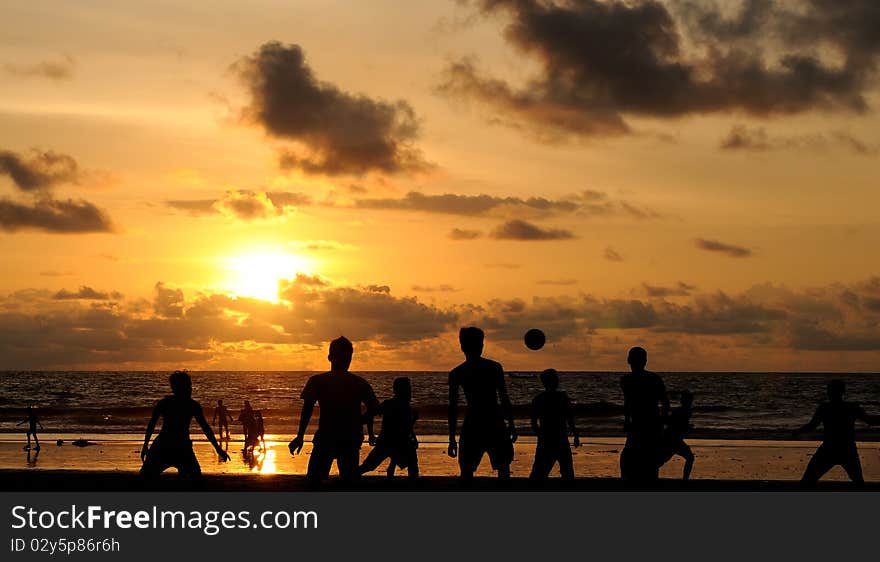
<point x="535" y="339"/>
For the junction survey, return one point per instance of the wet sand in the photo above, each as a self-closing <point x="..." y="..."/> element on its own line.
<point x="114" y="460"/>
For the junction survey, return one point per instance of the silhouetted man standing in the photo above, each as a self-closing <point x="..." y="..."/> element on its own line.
<point x="838" y="447"/>
<point x="339" y="395"/>
<point x="644" y="394"/>
<point x="488" y="406"/>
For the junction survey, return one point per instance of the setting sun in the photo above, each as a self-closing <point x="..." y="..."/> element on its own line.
<point x="257" y="275"/>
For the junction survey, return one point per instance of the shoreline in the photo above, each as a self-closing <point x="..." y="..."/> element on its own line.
<point x="597" y="459"/>
<point x="76" y="481"/>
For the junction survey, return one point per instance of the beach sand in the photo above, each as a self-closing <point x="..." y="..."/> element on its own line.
<point x="115" y="458"/>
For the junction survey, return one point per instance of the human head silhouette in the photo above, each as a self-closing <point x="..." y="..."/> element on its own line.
<point x="836" y="388"/>
<point x="181" y="384"/>
<point x="550" y="379"/>
<point x="687" y="398"/>
<point x="637" y="359"/>
<point x="259" y="414"/>
<point x="403" y="388"/>
<point x="220" y="402"/>
<point x="340" y="354"/>
<point x="471" y="340"/>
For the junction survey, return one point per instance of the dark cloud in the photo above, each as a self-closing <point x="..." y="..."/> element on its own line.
<point x="244" y="204"/>
<point x="679" y="290"/>
<point x="59" y="70"/>
<point x="723" y="248"/>
<point x="464" y="234"/>
<point x="611" y="254"/>
<point x="756" y="139"/>
<point x="466" y="205"/>
<point x="38" y="174"/>
<point x="52" y="215"/>
<point x="167" y="302"/>
<point x="86" y="293"/>
<point x="195" y="207"/>
<point x="434" y="289"/>
<point x="40" y="331"/>
<point x="526" y="231"/>
<point x="587" y="204"/>
<point x="602" y="63"/>
<point x="343" y="133"/>
<point x="39" y="171"/>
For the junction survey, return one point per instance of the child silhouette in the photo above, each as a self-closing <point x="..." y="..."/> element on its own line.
<point x="551" y="411"/>
<point x="397" y="438"/>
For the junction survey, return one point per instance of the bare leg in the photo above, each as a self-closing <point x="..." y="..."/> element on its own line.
<point x="821" y="463"/>
<point x="688" y="456"/>
<point x="852" y="466"/>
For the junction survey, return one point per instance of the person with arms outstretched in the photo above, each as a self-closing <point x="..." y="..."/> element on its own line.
<point x="488" y="426"/>
<point x="552" y="417"/>
<point x="32" y="422"/>
<point x="645" y="405"/>
<point x="838" y="420"/>
<point x="340" y="395"/>
<point x="173" y="447"/>
<point x="397" y="438"/>
<point x="678" y="425"/>
<point x="221" y="415"/>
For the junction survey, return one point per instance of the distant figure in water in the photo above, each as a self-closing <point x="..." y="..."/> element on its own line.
<point x="839" y="440"/>
<point x="488" y="407"/>
<point x="221" y="414"/>
<point x="259" y="430"/>
<point x="397" y="438"/>
<point x="678" y="425"/>
<point x="32" y="422"/>
<point x="172" y="447"/>
<point x="552" y="417"/>
<point x="340" y="434"/>
<point x="645" y="405"/>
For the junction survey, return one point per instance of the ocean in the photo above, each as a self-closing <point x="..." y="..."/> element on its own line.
<point x="726" y="405"/>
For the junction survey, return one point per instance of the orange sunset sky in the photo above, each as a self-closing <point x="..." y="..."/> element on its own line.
<point x="229" y="185"/>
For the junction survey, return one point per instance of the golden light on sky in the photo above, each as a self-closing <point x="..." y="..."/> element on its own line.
<point x="257" y="273"/>
<point x="697" y="178"/>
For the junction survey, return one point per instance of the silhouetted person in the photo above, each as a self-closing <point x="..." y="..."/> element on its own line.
<point x="172" y="447"/>
<point x="259" y="430"/>
<point x="32" y="422"/>
<point x="397" y="438"/>
<point x="222" y="414"/>
<point x="339" y="395"/>
<point x="552" y="417"/>
<point x="644" y="394"/>
<point x="488" y="407"/>
<point x="838" y="420"/>
<point x="678" y="425"/>
<point x="246" y="418"/>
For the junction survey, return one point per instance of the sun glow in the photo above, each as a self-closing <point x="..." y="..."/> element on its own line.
<point x="257" y="274"/>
